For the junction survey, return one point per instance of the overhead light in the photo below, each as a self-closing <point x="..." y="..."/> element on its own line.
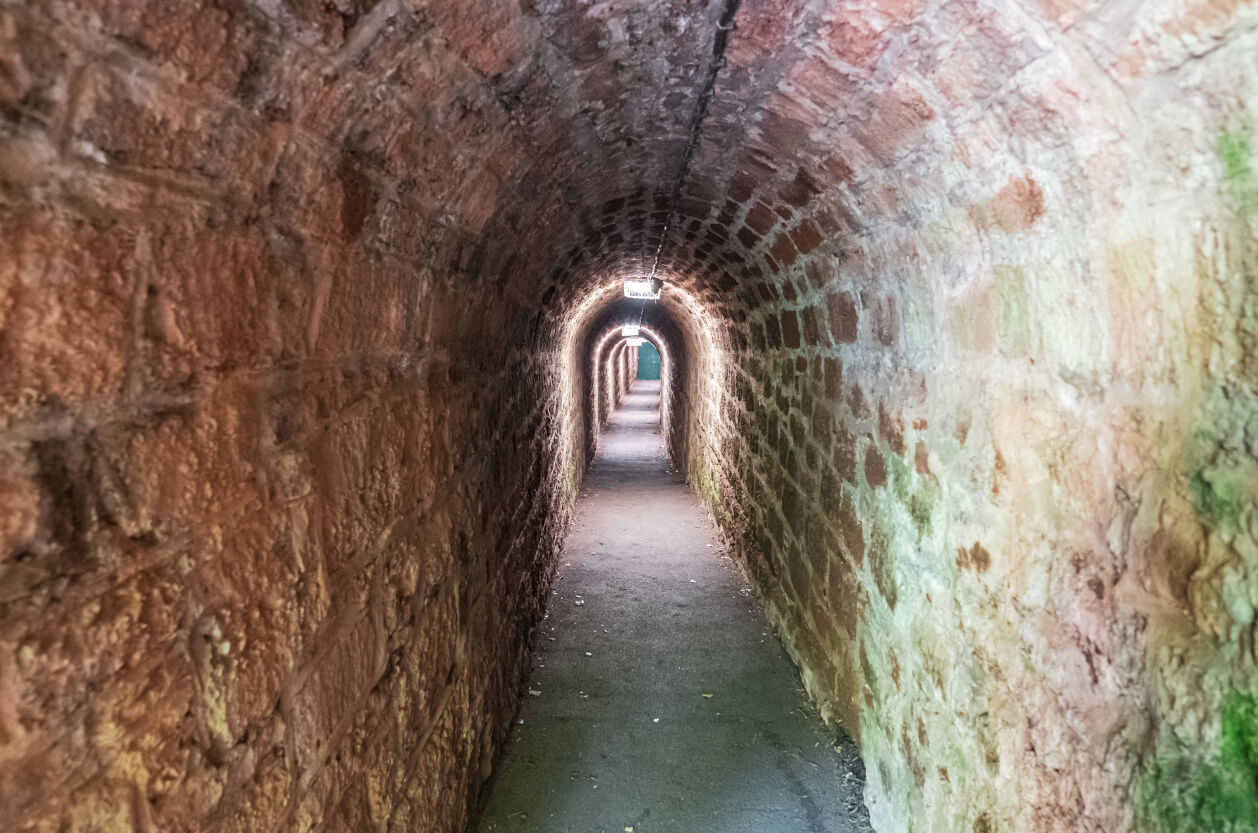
<point x="635" y="342"/>
<point x="629" y="330"/>
<point x="646" y="288"/>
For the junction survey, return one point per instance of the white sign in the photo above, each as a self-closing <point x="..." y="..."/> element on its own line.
<point x="645" y="289"/>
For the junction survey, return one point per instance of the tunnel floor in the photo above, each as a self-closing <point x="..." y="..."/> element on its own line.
<point x="659" y="699"/>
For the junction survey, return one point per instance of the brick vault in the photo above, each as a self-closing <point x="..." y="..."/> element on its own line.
<point x="304" y="344"/>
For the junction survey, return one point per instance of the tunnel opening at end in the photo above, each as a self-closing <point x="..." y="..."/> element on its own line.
<point x="689" y="339"/>
<point x="648" y="362"/>
<point x="622" y="401"/>
<point x="617" y="367"/>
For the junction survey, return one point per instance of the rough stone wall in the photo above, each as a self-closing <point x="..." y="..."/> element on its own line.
<point x="619" y="368"/>
<point x="296" y="309"/>
<point x="674" y="337"/>
<point x="274" y="528"/>
<point x="989" y="446"/>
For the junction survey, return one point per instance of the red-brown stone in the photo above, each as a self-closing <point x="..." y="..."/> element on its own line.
<point x="844" y="322"/>
<point x="875" y="467"/>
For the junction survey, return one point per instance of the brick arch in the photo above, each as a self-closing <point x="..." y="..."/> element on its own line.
<point x="295" y="299"/>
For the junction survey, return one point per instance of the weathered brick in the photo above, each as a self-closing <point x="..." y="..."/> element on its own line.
<point x="790" y="329"/>
<point x="844" y="322"/>
<point x="283" y="296"/>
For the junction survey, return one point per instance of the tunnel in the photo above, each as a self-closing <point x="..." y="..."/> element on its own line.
<point x="312" y="321"/>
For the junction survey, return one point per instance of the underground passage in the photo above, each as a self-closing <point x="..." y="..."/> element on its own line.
<point x="629" y="415"/>
<point x="658" y="699"/>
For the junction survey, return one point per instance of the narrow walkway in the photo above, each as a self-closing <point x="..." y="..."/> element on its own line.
<point x="659" y="699"/>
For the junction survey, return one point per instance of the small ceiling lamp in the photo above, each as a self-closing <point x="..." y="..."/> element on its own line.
<point x="629" y="330"/>
<point x="647" y="289"/>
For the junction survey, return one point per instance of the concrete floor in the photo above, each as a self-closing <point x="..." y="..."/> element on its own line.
<point x="659" y="699"/>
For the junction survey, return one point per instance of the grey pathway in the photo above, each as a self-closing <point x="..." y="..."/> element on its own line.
<point x="648" y="619"/>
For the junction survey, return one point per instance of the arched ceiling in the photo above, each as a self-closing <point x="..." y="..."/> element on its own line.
<point x="600" y="138"/>
<point x="637" y="133"/>
<point x="602" y="101"/>
<point x="643" y="136"/>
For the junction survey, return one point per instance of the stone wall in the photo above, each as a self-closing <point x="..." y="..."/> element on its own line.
<point x="298" y="304"/>
<point x="618" y="365"/>
<point x="626" y="370"/>
<point x="278" y="507"/>
<point x="988" y="449"/>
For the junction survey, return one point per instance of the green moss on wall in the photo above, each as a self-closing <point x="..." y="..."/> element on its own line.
<point x="881" y="563"/>
<point x="1240" y="735"/>
<point x="705" y="485"/>
<point x="901" y="478"/>
<point x="917" y="494"/>
<point x="1183" y="791"/>
<point x="1235" y="152"/>
<point x="921" y="509"/>
<point x="1015" y="316"/>
<point x="1219" y="495"/>
<point x="1223" y="479"/>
